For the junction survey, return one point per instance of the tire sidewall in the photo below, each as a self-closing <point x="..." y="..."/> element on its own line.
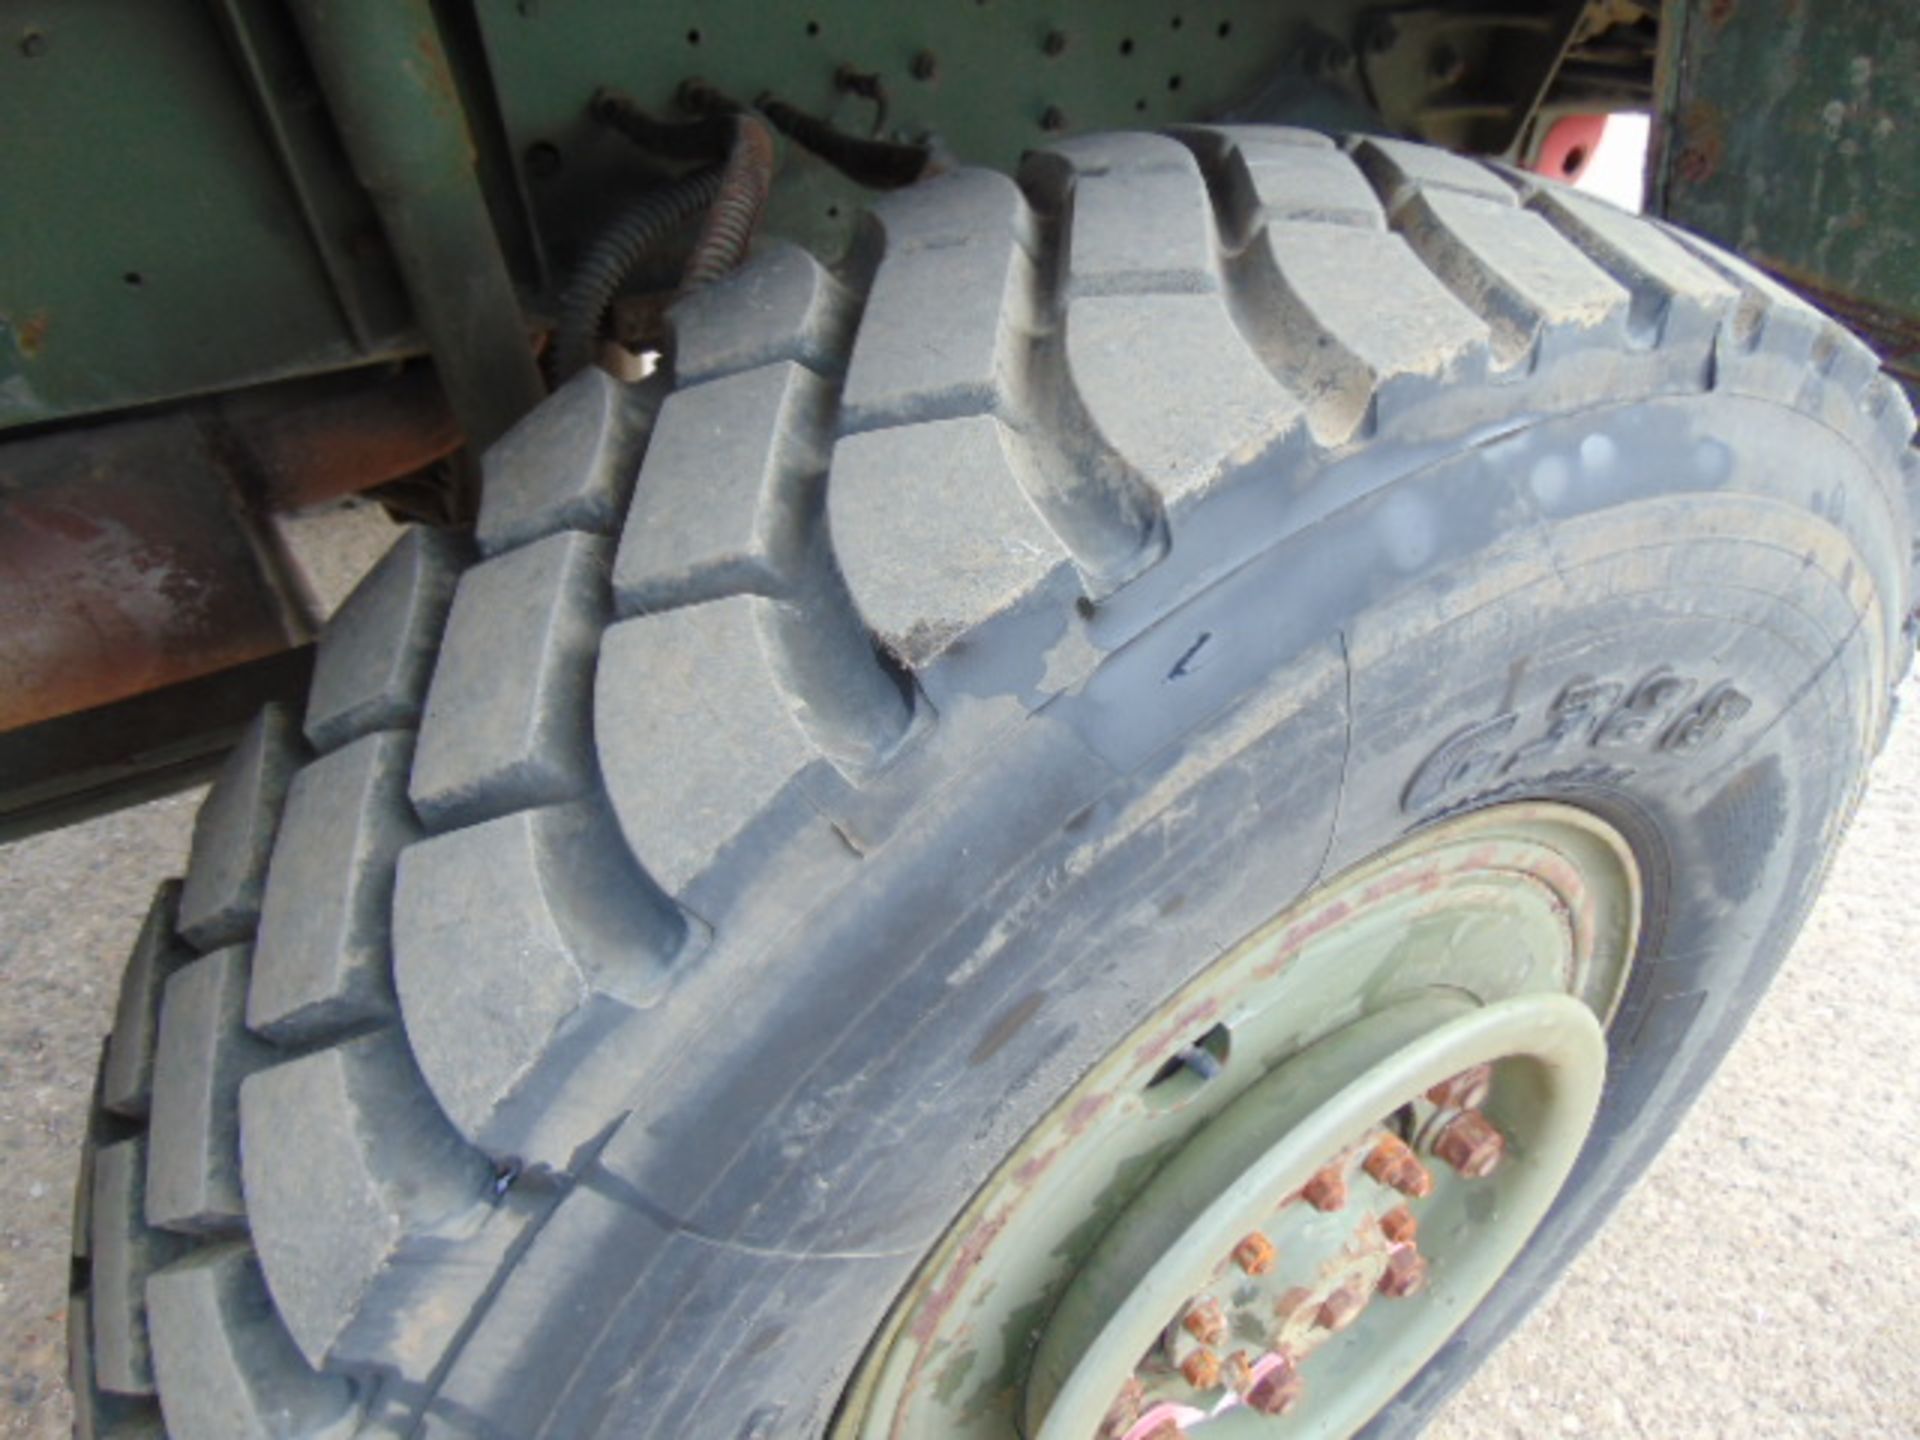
<point x="858" y="1075"/>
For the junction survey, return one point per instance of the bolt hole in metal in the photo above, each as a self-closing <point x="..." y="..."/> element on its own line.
<point x="1301" y="1173"/>
<point x="1192" y="1066"/>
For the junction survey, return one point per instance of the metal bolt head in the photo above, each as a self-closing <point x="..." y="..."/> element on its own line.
<point x="1406" y="1273"/>
<point x="1327" y="1190"/>
<point x="1055" y="43"/>
<point x="1278" y="1390"/>
<point x="1386" y="1156"/>
<point x="33" y="44"/>
<point x="1291" y="1304"/>
<point x="1205" y="1321"/>
<point x="1471" y="1144"/>
<point x="1053" y="119"/>
<point x="1466" y="1091"/>
<point x="1255" y="1254"/>
<point x="1341" y="1308"/>
<point x="1238" y="1369"/>
<point x="1399" y="1226"/>
<point x="1202" y="1369"/>
<point x="924" y="66"/>
<point x="1393" y="1163"/>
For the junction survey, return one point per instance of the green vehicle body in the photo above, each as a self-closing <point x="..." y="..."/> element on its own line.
<point x="203" y="199"/>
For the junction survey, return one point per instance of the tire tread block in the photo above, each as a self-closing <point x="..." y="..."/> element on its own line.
<point x="233" y="833"/>
<point x="1397" y="166"/>
<point x="126" y="1080"/>
<point x="349" y="1166"/>
<point x="506" y="717"/>
<point x="1677" y="300"/>
<point x="1336" y="344"/>
<point x="936" y="532"/>
<point x="378" y="649"/>
<point x="784" y="308"/>
<point x="1536" y="290"/>
<point x="570" y="464"/>
<point x="124" y="1251"/>
<point x="696" y="735"/>
<point x="205" y="1050"/>
<point x="729" y="492"/>
<point x="223" y="1359"/>
<point x="1136" y="232"/>
<point x="96" y="1415"/>
<point x="320" y="963"/>
<point x="516" y="943"/>
<point x="905" y="370"/>
<point x="1172" y="387"/>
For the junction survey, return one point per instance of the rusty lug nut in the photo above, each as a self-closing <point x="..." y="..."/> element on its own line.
<point x="1239" y="1371"/>
<point x="1255" y="1254"/>
<point x="1386" y="1157"/>
<point x="1471" y="1144"/>
<point x="1399" y="1226"/>
<point x="1327" y="1190"/>
<point x="1291" y="1303"/>
<point x="1466" y="1091"/>
<point x="1202" y="1369"/>
<point x="1277" y="1391"/>
<point x="1206" y="1321"/>
<point x="1341" y="1308"/>
<point x="1406" y="1273"/>
<point x="1393" y="1164"/>
<point x="1124" y="1413"/>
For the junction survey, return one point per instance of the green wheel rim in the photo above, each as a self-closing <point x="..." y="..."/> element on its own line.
<point x="1477" y="960"/>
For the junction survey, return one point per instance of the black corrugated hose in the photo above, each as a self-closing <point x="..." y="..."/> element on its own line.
<point x="732" y="195"/>
<point x="744" y="187"/>
<point x="615" y="254"/>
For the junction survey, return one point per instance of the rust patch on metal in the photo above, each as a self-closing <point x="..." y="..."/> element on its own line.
<point x="126" y="566"/>
<point x="30" y="334"/>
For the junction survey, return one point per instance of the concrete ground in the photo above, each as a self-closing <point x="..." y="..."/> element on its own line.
<point x="1760" y="1282"/>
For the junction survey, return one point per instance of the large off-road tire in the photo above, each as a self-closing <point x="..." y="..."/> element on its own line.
<point x="588" y="1014"/>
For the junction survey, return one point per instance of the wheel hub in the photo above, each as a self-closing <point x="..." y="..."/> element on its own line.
<point x="1279" y="1195"/>
<point x="1348" y="1179"/>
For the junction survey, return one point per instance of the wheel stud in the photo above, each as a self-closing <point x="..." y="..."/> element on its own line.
<point x="1406" y="1273"/>
<point x="1239" y="1371"/>
<point x="1205" y="1321"/>
<point x="1471" y="1144"/>
<point x="1394" y="1164"/>
<point x="1466" y="1091"/>
<point x="1341" y="1308"/>
<point x="1278" y="1388"/>
<point x="1399" y="1226"/>
<point x="1202" y="1369"/>
<point x="1255" y="1254"/>
<point x="1327" y="1190"/>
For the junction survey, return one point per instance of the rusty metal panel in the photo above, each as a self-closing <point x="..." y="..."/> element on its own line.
<point x="128" y="562"/>
<point x="1791" y="133"/>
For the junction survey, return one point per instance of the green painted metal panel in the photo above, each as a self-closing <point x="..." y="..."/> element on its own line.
<point x="995" y="81"/>
<point x="1793" y="136"/>
<point x="151" y="242"/>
